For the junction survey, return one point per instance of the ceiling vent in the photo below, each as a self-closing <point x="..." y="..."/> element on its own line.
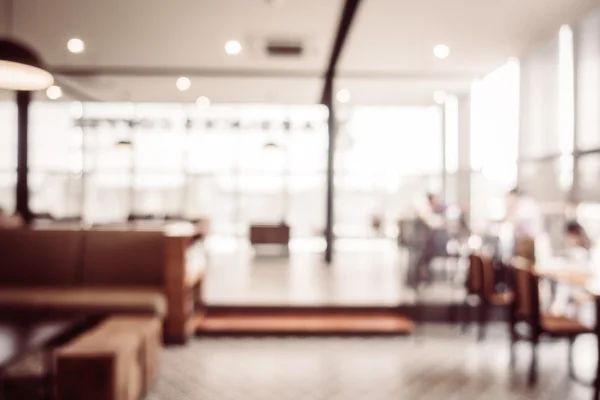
<point x="280" y="48"/>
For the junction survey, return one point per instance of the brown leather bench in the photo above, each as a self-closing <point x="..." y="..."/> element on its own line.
<point x="82" y="272"/>
<point x="98" y="273"/>
<point x="100" y="365"/>
<point x="117" y="360"/>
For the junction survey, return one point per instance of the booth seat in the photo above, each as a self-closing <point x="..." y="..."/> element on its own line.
<point x="91" y="272"/>
<point x="86" y="301"/>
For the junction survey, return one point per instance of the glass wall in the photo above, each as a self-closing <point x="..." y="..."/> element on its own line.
<point x="547" y="121"/>
<point x="546" y="146"/>
<point x="237" y="165"/>
<point x="494" y="142"/>
<point x="587" y="143"/>
<point x="109" y="162"/>
<point x="385" y="157"/>
<point x="587" y="37"/>
<point x="8" y="155"/>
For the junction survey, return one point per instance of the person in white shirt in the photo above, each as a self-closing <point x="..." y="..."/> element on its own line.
<point x="578" y="255"/>
<point x="524" y="223"/>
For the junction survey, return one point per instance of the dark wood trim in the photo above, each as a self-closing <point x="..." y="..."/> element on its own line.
<point x="436" y="313"/>
<point x="23" y="100"/>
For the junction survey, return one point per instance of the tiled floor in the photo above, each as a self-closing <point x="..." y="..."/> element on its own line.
<point x="364" y="272"/>
<point x="437" y="364"/>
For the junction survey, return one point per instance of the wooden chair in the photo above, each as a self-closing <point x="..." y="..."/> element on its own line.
<point x="525" y="309"/>
<point x="480" y="285"/>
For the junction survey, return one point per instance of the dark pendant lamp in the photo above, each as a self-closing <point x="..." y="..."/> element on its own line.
<point x="21" y="68"/>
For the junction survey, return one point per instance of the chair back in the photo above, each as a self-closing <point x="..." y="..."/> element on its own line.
<point x="526" y="305"/>
<point x="474" y="283"/>
<point x="480" y="277"/>
<point x="487" y="269"/>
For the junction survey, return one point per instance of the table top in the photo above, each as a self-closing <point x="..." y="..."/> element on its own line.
<point x="573" y="274"/>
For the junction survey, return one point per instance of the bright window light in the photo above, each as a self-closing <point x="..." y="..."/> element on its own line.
<point x="495" y="124"/>
<point x="566" y="90"/>
<point x="451" y="134"/>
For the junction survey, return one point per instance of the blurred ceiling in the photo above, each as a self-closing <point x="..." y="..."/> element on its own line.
<point x="136" y="49"/>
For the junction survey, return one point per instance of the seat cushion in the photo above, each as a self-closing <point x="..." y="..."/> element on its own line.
<point x="560" y="325"/>
<point x="89" y="301"/>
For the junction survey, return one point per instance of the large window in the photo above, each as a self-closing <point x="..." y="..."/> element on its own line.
<point x="587" y="36"/>
<point x="237" y="165"/>
<point x="8" y="155"/>
<point x="494" y="142"/>
<point x="386" y="156"/>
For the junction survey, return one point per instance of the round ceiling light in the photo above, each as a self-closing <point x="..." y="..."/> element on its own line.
<point x="76" y="46"/>
<point x="202" y="101"/>
<point x="21" y="68"/>
<point x="441" y="51"/>
<point x="183" y="83"/>
<point x="233" y="47"/>
<point x="54" y="92"/>
<point x="343" y="96"/>
<point x="439" y="97"/>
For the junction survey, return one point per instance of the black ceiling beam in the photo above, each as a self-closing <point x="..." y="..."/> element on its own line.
<point x="345" y="23"/>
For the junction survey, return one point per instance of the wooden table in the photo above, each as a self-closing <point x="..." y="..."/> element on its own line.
<point x="591" y="283"/>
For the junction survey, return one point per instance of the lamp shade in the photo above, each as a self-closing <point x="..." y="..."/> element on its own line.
<point x="21" y="68"/>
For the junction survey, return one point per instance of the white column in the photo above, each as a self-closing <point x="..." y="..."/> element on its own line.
<point x="464" y="151"/>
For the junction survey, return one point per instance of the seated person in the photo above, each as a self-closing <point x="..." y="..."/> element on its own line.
<point x="578" y="247"/>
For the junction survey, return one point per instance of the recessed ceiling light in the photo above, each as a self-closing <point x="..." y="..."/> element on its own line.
<point x="233" y="47"/>
<point x="54" y="92"/>
<point x="343" y="96"/>
<point x="76" y="45"/>
<point x="439" y="97"/>
<point x="441" y="51"/>
<point x="183" y="83"/>
<point x="202" y="101"/>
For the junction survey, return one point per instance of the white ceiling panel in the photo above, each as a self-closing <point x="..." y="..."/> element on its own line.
<point x="399" y="35"/>
<point x="177" y="33"/>
<point x="387" y="60"/>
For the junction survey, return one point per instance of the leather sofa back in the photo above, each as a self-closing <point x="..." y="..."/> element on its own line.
<point x="123" y="258"/>
<point x="40" y="257"/>
<point x="75" y="258"/>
